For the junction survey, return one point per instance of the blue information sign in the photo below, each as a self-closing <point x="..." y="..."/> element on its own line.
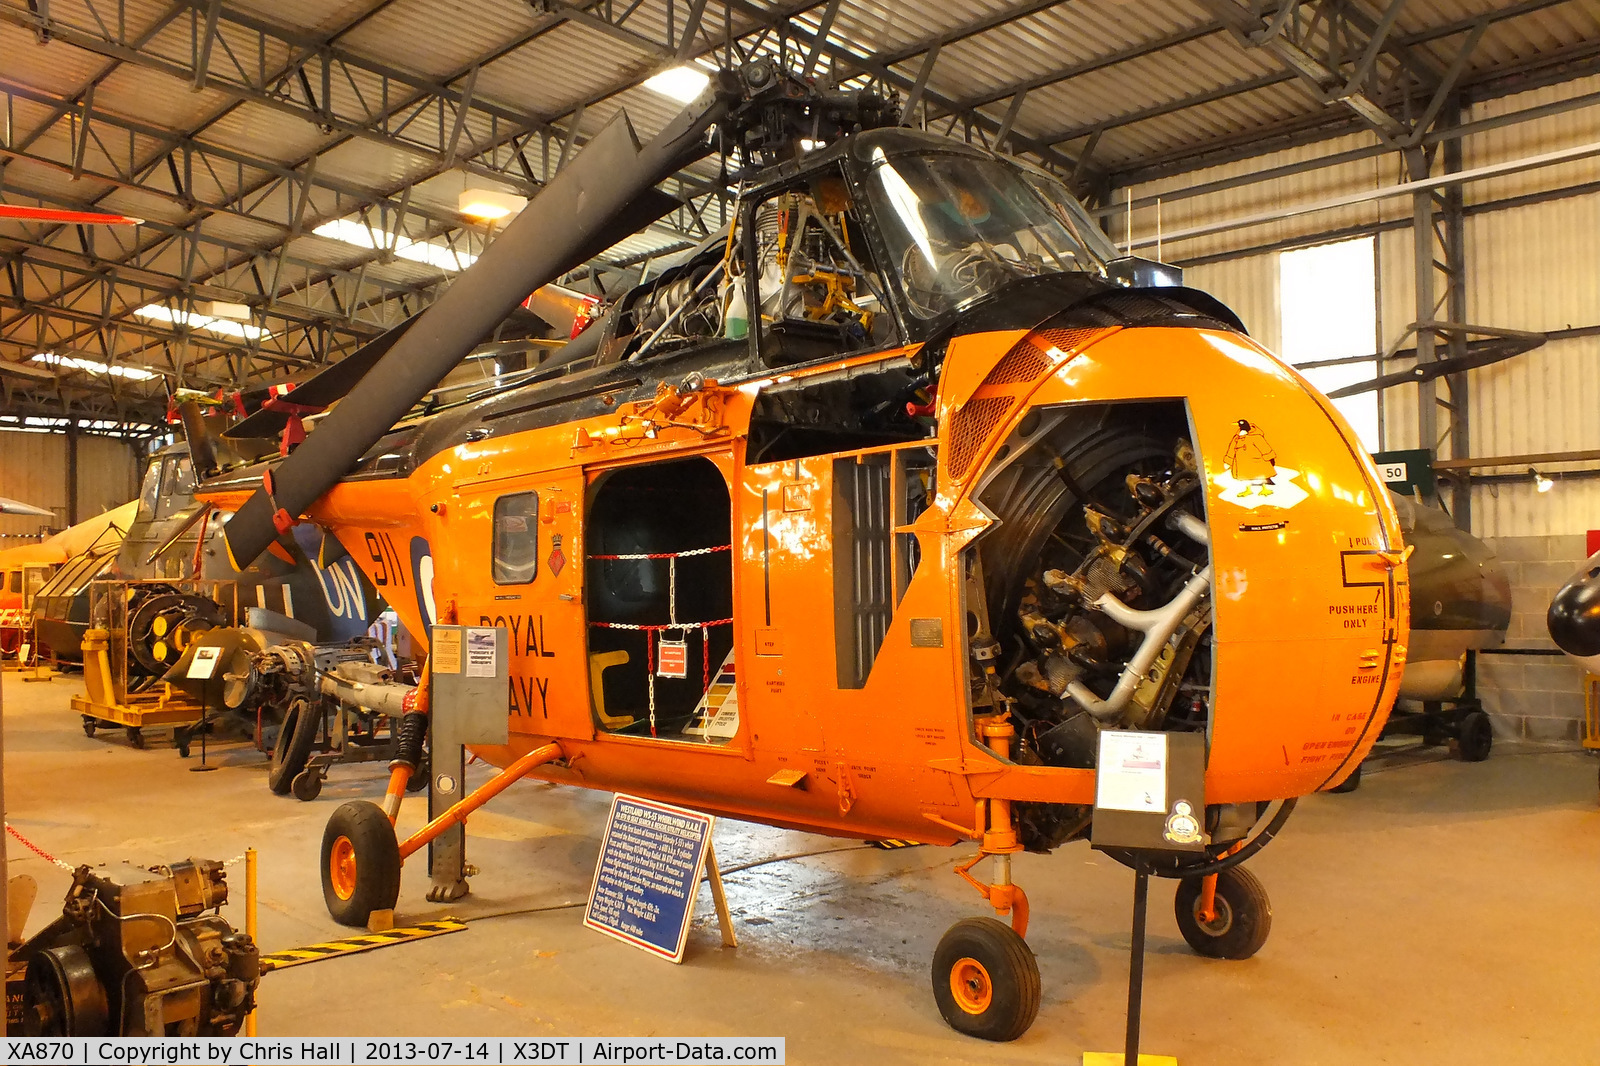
<point x="651" y="861"/>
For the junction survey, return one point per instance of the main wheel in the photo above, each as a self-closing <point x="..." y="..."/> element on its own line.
<point x="295" y="738"/>
<point x="1241" y="915"/>
<point x="986" y="980"/>
<point x="360" y="863"/>
<point x="1476" y="737"/>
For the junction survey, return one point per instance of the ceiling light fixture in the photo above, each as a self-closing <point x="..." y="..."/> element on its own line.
<point x="362" y="235"/>
<point x="489" y="205"/>
<point x="221" y="326"/>
<point x="92" y="366"/>
<point x="1540" y="482"/>
<point x="682" y="83"/>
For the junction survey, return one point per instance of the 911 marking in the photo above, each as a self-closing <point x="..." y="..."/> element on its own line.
<point x="385" y="561"/>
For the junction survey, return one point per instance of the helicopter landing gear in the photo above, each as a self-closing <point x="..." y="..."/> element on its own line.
<point x="985" y="977"/>
<point x="1224" y="916"/>
<point x="360" y="863"/>
<point x="986" y="980"/>
<point x="361" y="857"/>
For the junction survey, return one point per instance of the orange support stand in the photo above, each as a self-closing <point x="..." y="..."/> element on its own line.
<point x="457" y="814"/>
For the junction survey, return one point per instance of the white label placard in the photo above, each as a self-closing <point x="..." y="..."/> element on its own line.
<point x="1394" y="472"/>
<point x="480" y="653"/>
<point x="204" y="663"/>
<point x="1133" y="772"/>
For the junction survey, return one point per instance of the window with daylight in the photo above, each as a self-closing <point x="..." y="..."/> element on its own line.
<point x="1329" y="303"/>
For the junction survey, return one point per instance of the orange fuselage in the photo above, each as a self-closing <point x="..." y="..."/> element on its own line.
<point x="1309" y="591"/>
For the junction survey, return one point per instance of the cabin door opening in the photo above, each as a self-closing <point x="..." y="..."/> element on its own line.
<point x="659" y="583"/>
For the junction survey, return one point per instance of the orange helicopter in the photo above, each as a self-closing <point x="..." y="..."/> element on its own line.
<point x="863" y="518"/>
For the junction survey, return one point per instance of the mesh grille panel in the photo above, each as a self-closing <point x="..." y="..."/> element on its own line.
<point x="1027" y="361"/>
<point x="970" y="427"/>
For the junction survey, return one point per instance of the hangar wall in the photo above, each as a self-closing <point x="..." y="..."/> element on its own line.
<point x="1531" y="263"/>
<point x="33" y="469"/>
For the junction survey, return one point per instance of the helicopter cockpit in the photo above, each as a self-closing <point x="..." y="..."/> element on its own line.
<point x="961" y="226"/>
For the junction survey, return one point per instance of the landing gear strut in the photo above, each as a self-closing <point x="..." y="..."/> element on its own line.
<point x="985" y="977"/>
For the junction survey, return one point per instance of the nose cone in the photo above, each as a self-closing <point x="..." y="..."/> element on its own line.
<point x="1574" y="616"/>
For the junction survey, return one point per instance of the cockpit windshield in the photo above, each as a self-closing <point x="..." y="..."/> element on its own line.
<point x="960" y="226"/>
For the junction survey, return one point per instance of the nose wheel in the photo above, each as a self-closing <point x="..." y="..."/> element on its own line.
<point x="986" y="980"/>
<point x="360" y="863"/>
<point x="1237" y="920"/>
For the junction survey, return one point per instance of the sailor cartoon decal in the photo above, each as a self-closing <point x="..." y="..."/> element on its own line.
<point x="1251" y="477"/>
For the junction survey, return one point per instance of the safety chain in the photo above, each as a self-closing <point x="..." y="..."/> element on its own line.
<point x="36" y="849"/>
<point x="49" y="858"/>
<point x="669" y="555"/>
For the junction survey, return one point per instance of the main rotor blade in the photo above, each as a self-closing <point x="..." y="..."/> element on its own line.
<point x="1488" y="353"/>
<point x="324" y="387"/>
<point x="541" y="243"/>
<point x="19" y="213"/>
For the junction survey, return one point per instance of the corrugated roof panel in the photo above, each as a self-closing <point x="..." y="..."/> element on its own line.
<point x="55" y="67"/>
<point x="1057" y="39"/>
<point x="878" y="26"/>
<point x="265" y="133"/>
<point x="127" y="20"/>
<point x="373" y="165"/>
<point x="439" y="37"/>
<point x="1080" y="104"/>
<point x="238" y="54"/>
<point x="316" y="17"/>
<point x="153" y="98"/>
<point x="555" y="71"/>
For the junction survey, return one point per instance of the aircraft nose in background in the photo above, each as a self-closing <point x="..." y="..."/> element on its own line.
<point x="1574" y="616"/>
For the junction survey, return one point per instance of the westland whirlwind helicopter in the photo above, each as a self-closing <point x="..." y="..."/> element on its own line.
<point x="864" y="518"/>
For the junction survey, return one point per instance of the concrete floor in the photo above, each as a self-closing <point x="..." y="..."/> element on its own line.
<point x="1444" y="913"/>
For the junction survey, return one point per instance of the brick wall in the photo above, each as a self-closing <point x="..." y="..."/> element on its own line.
<point x="1535" y="697"/>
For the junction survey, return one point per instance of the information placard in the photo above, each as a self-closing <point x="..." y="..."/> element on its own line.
<point x="645" y="882"/>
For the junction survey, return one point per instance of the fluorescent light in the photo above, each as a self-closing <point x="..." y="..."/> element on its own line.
<point x="91" y="366"/>
<point x="490" y="204"/>
<point x="194" y="320"/>
<point x="362" y="235"/>
<point x="808" y="145"/>
<point x="683" y="84"/>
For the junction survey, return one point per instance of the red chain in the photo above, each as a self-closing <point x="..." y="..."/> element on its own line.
<point x="36" y="849"/>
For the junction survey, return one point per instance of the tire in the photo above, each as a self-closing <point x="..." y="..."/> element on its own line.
<point x="135" y="736"/>
<point x="90" y="724"/>
<point x="1475" y="738"/>
<point x="986" y="980"/>
<point x="360" y="863"/>
<point x="295" y="738"/>
<point x="1243" y="915"/>
<point x="307" y="786"/>
<point x="1349" y="784"/>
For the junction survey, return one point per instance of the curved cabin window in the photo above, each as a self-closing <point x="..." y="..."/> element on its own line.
<point x="659" y="590"/>
<point x="516" y="539"/>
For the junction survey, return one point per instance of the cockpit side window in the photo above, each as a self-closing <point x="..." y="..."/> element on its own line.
<point x="150" y="489"/>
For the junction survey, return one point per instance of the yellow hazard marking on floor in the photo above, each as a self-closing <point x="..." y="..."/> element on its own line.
<point x="1116" y="1058"/>
<point x="891" y="845"/>
<point x="333" y="949"/>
